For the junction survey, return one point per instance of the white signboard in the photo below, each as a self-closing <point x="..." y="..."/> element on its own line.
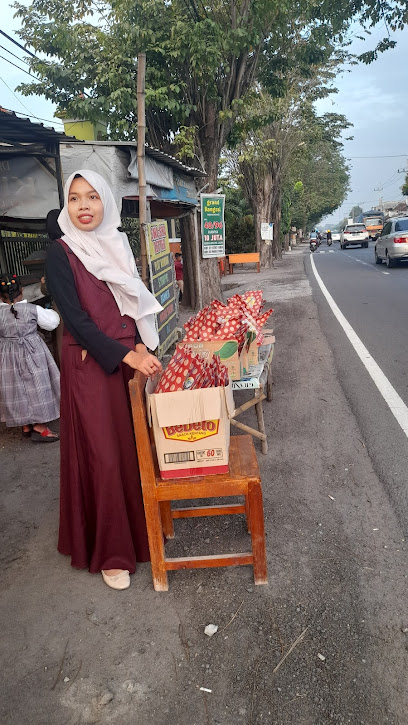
<point x="266" y="231"/>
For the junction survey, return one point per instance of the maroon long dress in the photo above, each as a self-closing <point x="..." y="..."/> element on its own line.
<point x="102" y="523"/>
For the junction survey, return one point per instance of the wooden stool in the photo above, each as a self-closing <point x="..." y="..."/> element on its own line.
<point x="242" y="479"/>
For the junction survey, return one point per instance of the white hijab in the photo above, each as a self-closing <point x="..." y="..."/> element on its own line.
<point x="107" y="255"/>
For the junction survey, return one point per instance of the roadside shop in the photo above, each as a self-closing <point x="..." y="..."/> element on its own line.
<point x="30" y="185"/>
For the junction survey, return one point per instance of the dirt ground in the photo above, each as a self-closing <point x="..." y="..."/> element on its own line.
<point x="324" y="642"/>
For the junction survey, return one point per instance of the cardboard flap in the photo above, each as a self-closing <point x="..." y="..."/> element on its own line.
<point x="192" y="406"/>
<point x="229" y="400"/>
<point x="151" y="385"/>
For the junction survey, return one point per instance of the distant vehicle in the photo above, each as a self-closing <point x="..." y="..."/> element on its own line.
<point x="336" y="236"/>
<point x="354" y="234"/>
<point x="374" y="226"/>
<point x="392" y="244"/>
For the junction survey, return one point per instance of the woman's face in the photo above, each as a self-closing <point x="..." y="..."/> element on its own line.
<point x="85" y="207"/>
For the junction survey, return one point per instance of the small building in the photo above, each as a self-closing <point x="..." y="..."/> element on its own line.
<point x="30" y="185"/>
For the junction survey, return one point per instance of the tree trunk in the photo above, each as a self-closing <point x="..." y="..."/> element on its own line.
<point x="210" y="150"/>
<point x="261" y="204"/>
<point x="276" y="244"/>
<point x="276" y="213"/>
<point x="264" y="247"/>
<point x="190" y="266"/>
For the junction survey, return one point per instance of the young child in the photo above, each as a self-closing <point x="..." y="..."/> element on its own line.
<point x="29" y="377"/>
<point x="178" y="266"/>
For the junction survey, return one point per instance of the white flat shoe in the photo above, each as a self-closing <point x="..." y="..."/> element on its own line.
<point x="118" y="581"/>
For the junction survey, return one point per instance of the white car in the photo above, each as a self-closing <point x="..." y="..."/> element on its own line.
<point x="336" y="236"/>
<point x="392" y="244"/>
<point x="354" y="234"/>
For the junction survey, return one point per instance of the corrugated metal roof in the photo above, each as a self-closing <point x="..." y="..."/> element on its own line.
<point x="154" y="153"/>
<point x="15" y="130"/>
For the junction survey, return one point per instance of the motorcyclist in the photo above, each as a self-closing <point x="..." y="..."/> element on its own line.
<point x="329" y="235"/>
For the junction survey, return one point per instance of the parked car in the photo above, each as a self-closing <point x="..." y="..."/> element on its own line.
<point x="392" y="244"/>
<point x="354" y="234"/>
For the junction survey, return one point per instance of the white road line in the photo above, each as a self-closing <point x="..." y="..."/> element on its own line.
<point x="367" y="264"/>
<point x="390" y="395"/>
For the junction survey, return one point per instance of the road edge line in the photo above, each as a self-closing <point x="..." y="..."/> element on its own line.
<point x="388" y="392"/>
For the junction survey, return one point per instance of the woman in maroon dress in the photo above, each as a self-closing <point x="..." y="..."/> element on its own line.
<point x="108" y="319"/>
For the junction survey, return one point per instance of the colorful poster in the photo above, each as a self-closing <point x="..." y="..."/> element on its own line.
<point x="212" y="225"/>
<point x="162" y="283"/>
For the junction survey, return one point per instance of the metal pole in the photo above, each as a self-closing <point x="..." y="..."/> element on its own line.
<point x="58" y="173"/>
<point x="141" y="168"/>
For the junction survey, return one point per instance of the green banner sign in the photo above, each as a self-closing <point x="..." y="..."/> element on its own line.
<point x="212" y="225"/>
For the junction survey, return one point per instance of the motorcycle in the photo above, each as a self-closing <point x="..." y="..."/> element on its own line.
<point x="329" y="242"/>
<point x="313" y="245"/>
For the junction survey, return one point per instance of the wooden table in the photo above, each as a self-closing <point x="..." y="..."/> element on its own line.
<point x="260" y="381"/>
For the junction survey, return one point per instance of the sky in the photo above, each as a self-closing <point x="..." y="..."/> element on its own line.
<point x="373" y="98"/>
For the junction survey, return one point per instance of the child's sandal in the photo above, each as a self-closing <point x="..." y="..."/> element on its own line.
<point x="45" y="436"/>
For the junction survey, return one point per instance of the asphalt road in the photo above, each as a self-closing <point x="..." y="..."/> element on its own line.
<point x="374" y="301"/>
<point x="326" y="642"/>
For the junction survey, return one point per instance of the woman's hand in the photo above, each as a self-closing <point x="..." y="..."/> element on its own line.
<point x="142" y="360"/>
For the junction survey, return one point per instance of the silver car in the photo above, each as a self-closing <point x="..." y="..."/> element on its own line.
<point x="354" y="234"/>
<point x="392" y="244"/>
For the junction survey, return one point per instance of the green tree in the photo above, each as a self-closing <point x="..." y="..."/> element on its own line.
<point x="202" y="58"/>
<point x="355" y="212"/>
<point x="323" y="172"/>
<point x="404" y="187"/>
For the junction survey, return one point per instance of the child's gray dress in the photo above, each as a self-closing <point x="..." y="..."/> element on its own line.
<point x="29" y="377"/>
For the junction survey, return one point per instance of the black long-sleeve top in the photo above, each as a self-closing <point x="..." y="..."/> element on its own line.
<point x="61" y="284"/>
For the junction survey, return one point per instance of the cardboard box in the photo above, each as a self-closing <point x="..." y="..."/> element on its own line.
<point x="191" y="430"/>
<point x="226" y="349"/>
<point x="250" y="355"/>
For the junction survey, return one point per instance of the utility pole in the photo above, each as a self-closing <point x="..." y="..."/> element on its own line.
<point x="141" y="166"/>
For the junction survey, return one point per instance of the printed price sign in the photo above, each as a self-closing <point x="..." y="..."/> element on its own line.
<point x="162" y="283"/>
<point x="212" y="225"/>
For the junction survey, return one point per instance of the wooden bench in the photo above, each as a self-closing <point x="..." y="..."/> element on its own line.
<point x="252" y="258"/>
<point x="243" y="479"/>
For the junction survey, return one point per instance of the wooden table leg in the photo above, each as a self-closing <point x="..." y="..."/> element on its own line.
<point x="261" y="424"/>
<point x="258" y="532"/>
<point x="269" y="391"/>
<point x="167" y="519"/>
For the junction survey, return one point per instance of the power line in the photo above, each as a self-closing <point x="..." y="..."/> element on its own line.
<point x="395" y="156"/>
<point x="30" y="74"/>
<point x="18" y="44"/>
<point x="11" y="91"/>
<point x="30" y="115"/>
<point x="13" y="54"/>
<point x="15" y="65"/>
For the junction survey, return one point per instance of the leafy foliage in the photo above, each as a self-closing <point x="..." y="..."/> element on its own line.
<point x="239" y="222"/>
